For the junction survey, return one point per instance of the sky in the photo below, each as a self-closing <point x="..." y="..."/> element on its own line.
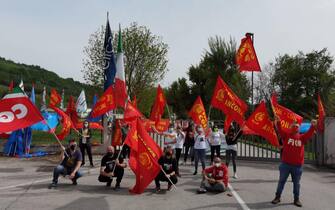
<point x="52" y="34"/>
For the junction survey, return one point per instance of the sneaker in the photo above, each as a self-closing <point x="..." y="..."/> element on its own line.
<point x="158" y="189"/>
<point x="52" y="185"/>
<point x="117" y="186"/>
<point x="297" y="202"/>
<point x="235" y="176"/>
<point x="276" y="200"/>
<point x="195" y="173"/>
<point x="201" y="190"/>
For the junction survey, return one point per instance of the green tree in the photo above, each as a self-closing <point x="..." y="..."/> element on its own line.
<point x="298" y="79"/>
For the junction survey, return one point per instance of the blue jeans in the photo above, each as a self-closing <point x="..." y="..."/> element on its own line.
<point x="285" y="170"/>
<point x="60" y="169"/>
<point x="199" y="154"/>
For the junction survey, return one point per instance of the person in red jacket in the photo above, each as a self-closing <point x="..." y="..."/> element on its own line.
<point x="215" y="178"/>
<point x="292" y="159"/>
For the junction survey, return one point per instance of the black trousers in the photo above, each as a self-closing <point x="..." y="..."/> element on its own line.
<point x="231" y="153"/>
<point x="88" y="148"/>
<point x="161" y="177"/>
<point x="189" y="148"/>
<point x="178" y="154"/>
<point x="215" y="149"/>
<point x="118" y="173"/>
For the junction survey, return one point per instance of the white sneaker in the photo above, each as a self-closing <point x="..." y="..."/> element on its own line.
<point x="235" y="176"/>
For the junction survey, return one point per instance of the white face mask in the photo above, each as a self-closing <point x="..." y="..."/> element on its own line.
<point x="200" y="130"/>
<point x="217" y="165"/>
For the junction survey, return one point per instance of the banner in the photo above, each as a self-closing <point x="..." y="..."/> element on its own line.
<point x="322" y="115"/>
<point x="105" y="104"/>
<point x="198" y="113"/>
<point x="246" y="56"/>
<point x="159" y="105"/>
<point x="55" y="98"/>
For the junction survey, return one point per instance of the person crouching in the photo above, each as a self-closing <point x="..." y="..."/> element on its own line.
<point x="169" y="164"/>
<point x="215" y="178"/>
<point x="111" y="167"/>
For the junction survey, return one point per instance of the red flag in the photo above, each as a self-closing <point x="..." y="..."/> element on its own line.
<point x="286" y="116"/>
<point x="117" y="134"/>
<point x="227" y="123"/>
<point x="16" y="112"/>
<point x="159" y="105"/>
<point x="198" y="113"/>
<point x="72" y="112"/>
<point x="66" y="124"/>
<point x="148" y="124"/>
<point x="144" y="157"/>
<point x="55" y="98"/>
<point x="131" y="113"/>
<point x="11" y="86"/>
<point x="247" y="131"/>
<point x="134" y="102"/>
<point x="105" y="104"/>
<point x="92" y="125"/>
<point x="260" y="123"/>
<point x="225" y="100"/>
<point x="246" y="56"/>
<point x="162" y="125"/>
<point x="322" y="115"/>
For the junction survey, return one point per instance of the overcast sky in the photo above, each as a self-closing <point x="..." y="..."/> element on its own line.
<point x="52" y="34"/>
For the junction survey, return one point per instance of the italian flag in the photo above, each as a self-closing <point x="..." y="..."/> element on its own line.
<point x="120" y="90"/>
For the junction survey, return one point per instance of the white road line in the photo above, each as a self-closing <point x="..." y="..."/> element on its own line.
<point x="39" y="181"/>
<point x="238" y="198"/>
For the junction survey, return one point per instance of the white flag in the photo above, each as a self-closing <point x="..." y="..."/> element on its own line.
<point x="44" y="102"/>
<point x="81" y="105"/>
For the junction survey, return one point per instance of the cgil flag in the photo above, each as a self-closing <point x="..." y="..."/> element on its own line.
<point x="16" y="112"/>
<point x="198" y="113"/>
<point x="105" y="103"/>
<point x="260" y="123"/>
<point x="285" y="115"/>
<point x="246" y="56"/>
<point x="109" y="60"/>
<point x="159" y="105"/>
<point x="322" y="115"/>
<point x="120" y="81"/>
<point x="228" y="102"/>
<point x="55" y="98"/>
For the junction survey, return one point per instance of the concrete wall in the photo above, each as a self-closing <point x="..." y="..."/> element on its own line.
<point x="329" y="142"/>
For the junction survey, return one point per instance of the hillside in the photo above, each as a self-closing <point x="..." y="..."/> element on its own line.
<point x="33" y="74"/>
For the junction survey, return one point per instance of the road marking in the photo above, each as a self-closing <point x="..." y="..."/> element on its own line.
<point x="238" y="198"/>
<point x="88" y="171"/>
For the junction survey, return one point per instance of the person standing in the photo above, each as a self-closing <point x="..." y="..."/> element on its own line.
<point x="215" y="140"/>
<point x="189" y="143"/>
<point x="169" y="164"/>
<point x="85" y="135"/>
<point x="111" y="167"/>
<point x="70" y="164"/>
<point x="292" y="159"/>
<point x="231" y="151"/>
<point x="200" y="146"/>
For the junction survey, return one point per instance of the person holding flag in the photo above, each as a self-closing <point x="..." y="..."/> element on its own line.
<point x="231" y="151"/>
<point x="292" y="158"/>
<point x="215" y="139"/>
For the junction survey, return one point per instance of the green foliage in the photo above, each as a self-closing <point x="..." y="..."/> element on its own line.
<point x="298" y="79"/>
<point x="31" y="74"/>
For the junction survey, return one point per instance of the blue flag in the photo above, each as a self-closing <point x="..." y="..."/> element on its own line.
<point x="32" y="95"/>
<point x="109" y="59"/>
<point x="97" y="119"/>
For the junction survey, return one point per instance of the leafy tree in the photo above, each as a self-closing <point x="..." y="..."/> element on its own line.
<point x="301" y="77"/>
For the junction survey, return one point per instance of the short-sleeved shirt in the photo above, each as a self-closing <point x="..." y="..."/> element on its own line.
<point x="72" y="160"/>
<point x="108" y="161"/>
<point x="168" y="164"/>
<point x="218" y="173"/>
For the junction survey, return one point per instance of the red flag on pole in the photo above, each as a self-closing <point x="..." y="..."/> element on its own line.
<point x="286" y="116"/>
<point x="246" y="56"/>
<point x="159" y="105"/>
<point x="105" y="103"/>
<point x="198" y="113"/>
<point x="144" y="157"/>
<point x="16" y="112"/>
<point x="55" y="98"/>
<point x="72" y="112"/>
<point x="117" y="134"/>
<point x="322" y="115"/>
<point x="225" y="100"/>
<point x="131" y="113"/>
<point x="227" y="123"/>
<point x="162" y="125"/>
<point x="66" y="124"/>
<point x="260" y="123"/>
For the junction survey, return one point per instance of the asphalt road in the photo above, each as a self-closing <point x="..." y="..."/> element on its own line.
<point x="24" y="185"/>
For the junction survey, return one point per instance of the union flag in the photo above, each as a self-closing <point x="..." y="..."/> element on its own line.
<point x="131" y="113"/>
<point x="117" y="134"/>
<point x="322" y="115"/>
<point x="105" y="103"/>
<point x="246" y="56"/>
<point x="198" y="113"/>
<point x="162" y="125"/>
<point x="260" y="123"/>
<point x="66" y="124"/>
<point x="159" y="105"/>
<point x="55" y="98"/>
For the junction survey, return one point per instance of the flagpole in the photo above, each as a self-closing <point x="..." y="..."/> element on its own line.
<point x="209" y="113"/>
<point x="53" y="132"/>
<point x="252" y="76"/>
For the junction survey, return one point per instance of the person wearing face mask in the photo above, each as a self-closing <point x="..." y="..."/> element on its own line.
<point x="215" y="178"/>
<point x="169" y="164"/>
<point x="215" y="140"/>
<point x="85" y="142"/>
<point x="200" y="146"/>
<point x="108" y="163"/>
<point x="231" y="151"/>
<point x="70" y="164"/>
<point x="292" y="159"/>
